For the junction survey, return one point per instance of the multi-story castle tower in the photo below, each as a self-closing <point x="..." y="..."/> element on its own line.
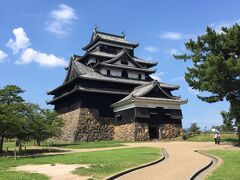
<point x="108" y="94"/>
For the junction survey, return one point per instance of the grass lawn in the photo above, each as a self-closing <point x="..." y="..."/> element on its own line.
<point x="89" y="145"/>
<point x="103" y="163"/>
<point x="209" y="137"/>
<point x="230" y="170"/>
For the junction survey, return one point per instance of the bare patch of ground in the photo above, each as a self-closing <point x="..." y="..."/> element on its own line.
<point x="55" y="171"/>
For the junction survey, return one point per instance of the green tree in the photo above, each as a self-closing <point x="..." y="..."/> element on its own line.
<point x="43" y="123"/>
<point x="10" y="101"/>
<point x="216" y="67"/>
<point x="194" y="129"/>
<point x="227" y="121"/>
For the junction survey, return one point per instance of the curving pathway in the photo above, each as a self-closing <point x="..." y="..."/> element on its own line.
<point x="182" y="163"/>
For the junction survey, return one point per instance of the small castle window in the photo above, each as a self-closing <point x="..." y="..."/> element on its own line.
<point x="108" y="72"/>
<point x="124" y="62"/>
<point x="124" y="74"/>
<point x="139" y="76"/>
<point x="118" y="117"/>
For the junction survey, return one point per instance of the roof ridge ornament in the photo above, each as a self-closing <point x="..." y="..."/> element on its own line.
<point x="73" y="56"/>
<point x="123" y="35"/>
<point x="95" y="29"/>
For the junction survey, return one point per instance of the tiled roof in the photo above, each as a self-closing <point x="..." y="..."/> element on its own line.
<point x="144" y="61"/>
<point x="140" y="91"/>
<point x="84" y="89"/>
<point x="111" y="37"/>
<point x="108" y="55"/>
<point x="127" y="67"/>
<point x="96" y="36"/>
<point x="102" y="54"/>
<point x="86" y="72"/>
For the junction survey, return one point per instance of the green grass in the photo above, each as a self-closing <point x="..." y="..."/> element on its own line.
<point x="209" y="137"/>
<point x="103" y="163"/>
<point x="89" y="145"/>
<point x="230" y="170"/>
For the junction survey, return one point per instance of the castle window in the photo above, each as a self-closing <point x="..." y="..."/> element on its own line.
<point x="124" y="74"/>
<point x="139" y="76"/>
<point x="118" y="117"/>
<point x="108" y="72"/>
<point x="124" y="62"/>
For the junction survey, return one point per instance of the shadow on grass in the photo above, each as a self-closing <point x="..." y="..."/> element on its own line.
<point x="32" y="152"/>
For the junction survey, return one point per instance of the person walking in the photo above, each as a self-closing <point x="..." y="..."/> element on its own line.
<point x="215" y="138"/>
<point x="218" y="138"/>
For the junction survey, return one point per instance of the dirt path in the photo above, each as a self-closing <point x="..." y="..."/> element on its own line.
<point x="182" y="163"/>
<point x="56" y="172"/>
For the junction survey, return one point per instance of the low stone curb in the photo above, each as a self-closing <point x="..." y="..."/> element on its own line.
<point x="205" y="168"/>
<point x="165" y="156"/>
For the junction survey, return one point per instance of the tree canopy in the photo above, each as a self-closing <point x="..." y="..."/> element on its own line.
<point x="25" y="121"/>
<point x="227" y="121"/>
<point x="194" y="129"/>
<point x="216" y="66"/>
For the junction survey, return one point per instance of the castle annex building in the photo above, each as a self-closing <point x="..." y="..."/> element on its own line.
<point x="108" y="94"/>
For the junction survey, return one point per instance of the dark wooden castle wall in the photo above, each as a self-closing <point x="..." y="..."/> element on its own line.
<point x="157" y="115"/>
<point x="100" y="101"/>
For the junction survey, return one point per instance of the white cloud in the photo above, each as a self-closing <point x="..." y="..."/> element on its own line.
<point x="151" y="49"/>
<point x="157" y="76"/>
<point x="173" y="51"/>
<point x="194" y="91"/>
<point x="3" y="56"/>
<point x="174" y="35"/>
<point x="21" y="41"/>
<point x="180" y="78"/>
<point x="60" y="19"/>
<point x="171" y="35"/>
<point x="218" y="26"/>
<point x="48" y="60"/>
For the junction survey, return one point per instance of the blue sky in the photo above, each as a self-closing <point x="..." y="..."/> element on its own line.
<point x="38" y="37"/>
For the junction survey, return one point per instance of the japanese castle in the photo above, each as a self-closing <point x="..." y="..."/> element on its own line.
<point x="108" y="94"/>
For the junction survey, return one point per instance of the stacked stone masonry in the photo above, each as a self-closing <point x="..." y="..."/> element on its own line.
<point x="84" y="124"/>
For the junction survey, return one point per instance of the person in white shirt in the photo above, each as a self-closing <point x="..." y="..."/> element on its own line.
<point x="218" y="138"/>
<point x="215" y="138"/>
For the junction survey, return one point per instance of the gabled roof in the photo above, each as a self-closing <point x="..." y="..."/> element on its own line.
<point x="150" y="71"/>
<point x="141" y="91"/>
<point x="108" y="55"/>
<point x="109" y="36"/>
<point x="121" y="54"/>
<point x="142" y="61"/>
<point x="85" y="72"/>
<point x="97" y="36"/>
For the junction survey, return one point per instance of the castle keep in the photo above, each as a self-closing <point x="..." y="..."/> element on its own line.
<point x="108" y="94"/>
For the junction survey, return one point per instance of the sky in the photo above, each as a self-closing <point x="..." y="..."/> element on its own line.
<point x="37" y="39"/>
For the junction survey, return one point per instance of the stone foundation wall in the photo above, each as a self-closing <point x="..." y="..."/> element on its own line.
<point x="124" y="132"/>
<point x="141" y="132"/>
<point x="91" y="127"/>
<point x="169" y="131"/>
<point x="70" y="120"/>
<point x="84" y="124"/>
